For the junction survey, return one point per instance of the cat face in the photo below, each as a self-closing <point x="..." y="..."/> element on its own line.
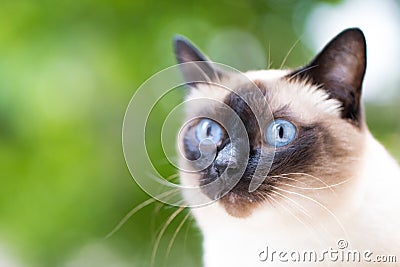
<point x="256" y="139"/>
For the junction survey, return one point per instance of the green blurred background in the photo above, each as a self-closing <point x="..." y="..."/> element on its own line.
<point x="67" y="72"/>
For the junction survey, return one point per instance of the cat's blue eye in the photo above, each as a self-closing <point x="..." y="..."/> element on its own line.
<point x="280" y="133"/>
<point x="210" y="130"/>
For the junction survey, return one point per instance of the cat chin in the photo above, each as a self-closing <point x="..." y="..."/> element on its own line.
<point x="238" y="205"/>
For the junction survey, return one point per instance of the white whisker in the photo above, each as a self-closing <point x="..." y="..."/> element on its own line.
<point x="162" y="231"/>
<point x="311" y="176"/>
<point x="289" y="52"/>
<point x="301" y="208"/>
<point x="315" y="188"/>
<point x="319" y="204"/>
<point x="138" y="208"/>
<point x="171" y="242"/>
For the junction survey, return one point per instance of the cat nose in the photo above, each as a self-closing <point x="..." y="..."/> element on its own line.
<point x="220" y="168"/>
<point x="225" y="158"/>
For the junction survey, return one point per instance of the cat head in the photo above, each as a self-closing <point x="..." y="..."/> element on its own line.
<point x="251" y="139"/>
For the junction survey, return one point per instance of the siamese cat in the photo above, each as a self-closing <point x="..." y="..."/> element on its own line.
<point x="326" y="191"/>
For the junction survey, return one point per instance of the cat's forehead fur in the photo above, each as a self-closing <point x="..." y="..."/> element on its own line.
<point x="300" y="96"/>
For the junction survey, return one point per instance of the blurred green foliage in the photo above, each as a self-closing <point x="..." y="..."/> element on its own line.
<point x="67" y="72"/>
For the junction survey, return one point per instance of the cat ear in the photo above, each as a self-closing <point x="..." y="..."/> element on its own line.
<point x="339" y="68"/>
<point x="201" y="68"/>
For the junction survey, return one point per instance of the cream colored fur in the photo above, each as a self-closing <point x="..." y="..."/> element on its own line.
<point x="363" y="210"/>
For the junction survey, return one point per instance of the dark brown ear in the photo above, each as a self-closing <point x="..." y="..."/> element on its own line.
<point x="339" y="68"/>
<point x="201" y="69"/>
